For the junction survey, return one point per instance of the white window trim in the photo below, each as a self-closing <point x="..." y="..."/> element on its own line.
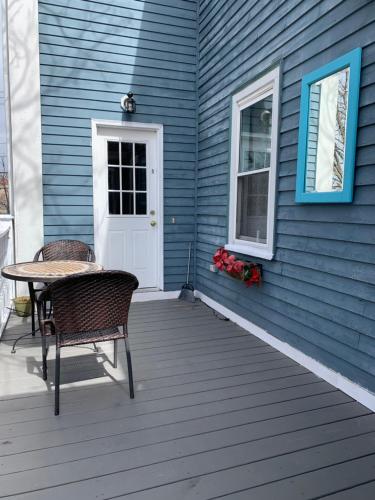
<point x="266" y="85"/>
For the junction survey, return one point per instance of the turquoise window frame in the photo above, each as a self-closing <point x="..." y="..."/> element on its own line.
<point x="350" y="60"/>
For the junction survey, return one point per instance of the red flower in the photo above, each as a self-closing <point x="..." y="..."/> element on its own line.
<point x="238" y="266"/>
<point x="220" y="257"/>
<point x="229" y="262"/>
<point x="255" y="276"/>
<point x="220" y="265"/>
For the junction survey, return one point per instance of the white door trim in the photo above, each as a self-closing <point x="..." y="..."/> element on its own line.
<point x="158" y="129"/>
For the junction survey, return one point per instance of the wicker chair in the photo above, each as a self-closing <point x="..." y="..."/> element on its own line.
<point x="65" y="250"/>
<point x="59" y="250"/>
<point x="88" y="308"/>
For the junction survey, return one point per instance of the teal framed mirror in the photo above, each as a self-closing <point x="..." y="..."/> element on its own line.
<point x="328" y="131"/>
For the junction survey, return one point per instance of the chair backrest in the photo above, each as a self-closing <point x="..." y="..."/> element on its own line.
<point x="65" y="250"/>
<point x="91" y="301"/>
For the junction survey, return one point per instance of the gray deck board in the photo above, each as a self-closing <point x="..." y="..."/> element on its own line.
<point x="217" y="414"/>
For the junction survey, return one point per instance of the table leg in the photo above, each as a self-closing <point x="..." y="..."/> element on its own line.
<point x="33" y="329"/>
<point x="32" y="299"/>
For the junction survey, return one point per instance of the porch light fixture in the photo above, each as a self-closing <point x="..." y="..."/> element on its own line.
<point x="128" y="103"/>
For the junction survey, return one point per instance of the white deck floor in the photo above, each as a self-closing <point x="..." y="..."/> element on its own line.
<point x="217" y="414"/>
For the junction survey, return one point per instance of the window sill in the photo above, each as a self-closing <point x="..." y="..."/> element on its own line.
<point x="262" y="253"/>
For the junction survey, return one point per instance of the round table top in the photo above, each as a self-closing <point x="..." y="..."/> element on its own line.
<point x="47" y="271"/>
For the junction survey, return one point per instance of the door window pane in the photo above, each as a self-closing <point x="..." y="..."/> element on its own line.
<point x="255" y="136"/>
<point x="127" y="203"/>
<point x="114" y="203"/>
<point x="126" y="182"/>
<point x="113" y="153"/>
<point x="252" y="202"/>
<point x="127" y="179"/>
<point x="140" y="179"/>
<point x="141" y="203"/>
<point x="113" y="178"/>
<point x="126" y="153"/>
<point x="140" y="155"/>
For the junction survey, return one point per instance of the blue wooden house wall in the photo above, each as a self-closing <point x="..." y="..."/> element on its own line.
<point x="318" y="293"/>
<point x="91" y="54"/>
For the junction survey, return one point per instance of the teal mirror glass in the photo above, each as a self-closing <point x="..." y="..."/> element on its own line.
<point x="328" y="129"/>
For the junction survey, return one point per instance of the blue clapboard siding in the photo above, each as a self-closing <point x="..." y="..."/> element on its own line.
<point x="91" y="54"/>
<point x="319" y="291"/>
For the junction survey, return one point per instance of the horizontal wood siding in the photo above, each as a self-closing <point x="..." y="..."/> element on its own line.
<point x="318" y="293"/>
<point x="92" y="53"/>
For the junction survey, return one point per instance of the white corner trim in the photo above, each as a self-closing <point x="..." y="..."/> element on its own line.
<point x="357" y="392"/>
<point x="25" y="125"/>
<point x="157" y="295"/>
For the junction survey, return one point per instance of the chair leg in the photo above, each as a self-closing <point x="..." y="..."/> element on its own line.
<point x="115" y="353"/>
<point x="44" y="354"/>
<point x="130" y="369"/>
<point x="57" y="379"/>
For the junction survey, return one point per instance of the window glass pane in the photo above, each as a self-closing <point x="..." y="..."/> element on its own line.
<point x="140" y="179"/>
<point x="327" y="117"/>
<point x="127" y="203"/>
<point x="114" y="203"/>
<point x="127" y="179"/>
<point x="126" y="153"/>
<point x="255" y="136"/>
<point x="252" y="200"/>
<point x="141" y="203"/>
<point x="113" y="178"/>
<point x="113" y="153"/>
<point x="140" y="155"/>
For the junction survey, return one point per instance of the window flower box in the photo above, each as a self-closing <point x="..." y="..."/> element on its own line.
<point x="248" y="272"/>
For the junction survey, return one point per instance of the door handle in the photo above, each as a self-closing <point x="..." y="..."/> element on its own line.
<point x="153" y="223"/>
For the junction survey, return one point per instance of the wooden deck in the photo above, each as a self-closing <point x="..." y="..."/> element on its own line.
<point x="217" y="414"/>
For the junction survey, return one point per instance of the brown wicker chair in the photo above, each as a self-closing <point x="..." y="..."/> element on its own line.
<point x="88" y="308"/>
<point x="65" y="250"/>
<point x="59" y="250"/>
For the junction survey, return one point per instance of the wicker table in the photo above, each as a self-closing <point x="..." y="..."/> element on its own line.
<point x="45" y="272"/>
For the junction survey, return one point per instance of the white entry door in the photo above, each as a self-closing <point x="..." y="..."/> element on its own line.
<point x="127" y="202"/>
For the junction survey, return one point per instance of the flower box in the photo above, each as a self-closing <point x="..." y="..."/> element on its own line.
<point x="248" y="272"/>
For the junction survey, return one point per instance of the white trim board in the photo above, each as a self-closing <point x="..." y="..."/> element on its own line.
<point x="360" y="394"/>
<point x="25" y="120"/>
<point x="158" y="295"/>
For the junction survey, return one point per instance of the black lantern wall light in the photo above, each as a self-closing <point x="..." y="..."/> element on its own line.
<point x="128" y="103"/>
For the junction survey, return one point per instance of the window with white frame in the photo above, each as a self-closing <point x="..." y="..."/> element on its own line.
<point x="253" y="167"/>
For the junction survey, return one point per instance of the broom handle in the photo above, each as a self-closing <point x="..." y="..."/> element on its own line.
<point x="188" y="269"/>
